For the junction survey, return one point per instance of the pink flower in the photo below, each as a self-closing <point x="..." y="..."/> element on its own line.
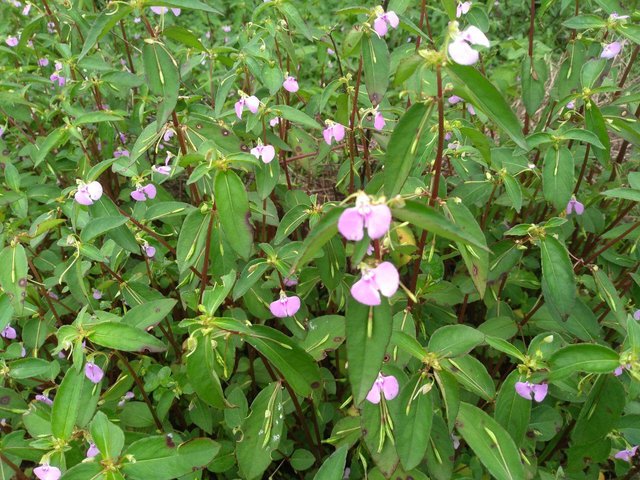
<point x="453" y="99"/>
<point x="9" y="333"/>
<point x="531" y="390"/>
<point x="636" y="315"/>
<point x="56" y="77"/>
<point x="163" y="169"/>
<point x="47" y="472"/>
<point x="26" y="9"/>
<point x="274" y="121"/>
<point x="462" y="8"/>
<point x="285" y="306"/>
<point x="333" y="131"/>
<point x="618" y="371"/>
<point x="575" y="205"/>
<point x="168" y="134"/>
<point x="12" y="41"/>
<point x="290" y="84"/>
<point x="141" y="194"/>
<point x="471" y="110"/>
<point x="44" y="399"/>
<point x="626" y="454"/>
<point x="93" y="372"/>
<point x="1" y="131"/>
<point x="127" y="396"/>
<point x="121" y="152"/>
<point x="384" y="20"/>
<point x="290" y="281"/>
<point x="252" y="103"/>
<point x="460" y="49"/>
<point x="614" y="16"/>
<point x="97" y="294"/>
<point x="43" y="62"/>
<point x="571" y="105"/>
<point x="331" y="51"/>
<point x="375" y="218"/>
<point x="149" y="251"/>
<point x="226" y="28"/>
<point x="384" y="279"/>
<point x="384" y="386"/>
<point x="92" y="451"/>
<point x="611" y="50"/>
<point x="447" y="136"/>
<point x="163" y="10"/>
<point x="378" y="121"/>
<point x="88" y="193"/>
<point x="266" y="152"/>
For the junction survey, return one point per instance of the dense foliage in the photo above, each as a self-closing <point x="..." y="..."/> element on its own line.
<point x="304" y="239"/>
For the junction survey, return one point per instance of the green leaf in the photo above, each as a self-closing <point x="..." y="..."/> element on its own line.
<point x="368" y="333"/>
<point x="376" y="64"/>
<point x="490" y="442"/>
<point x="583" y="357"/>
<point x="625" y="193"/>
<point x="290" y="221"/>
<point x="55" y="139"/>
<point x="454" y="340"/>
<point x="261" y="430"/>
<point x="202" y="374"/>
<point x="107" y="436"/>
<point x="233" y="210"/>
<point x="558" y="176"/>
<point x="121" y="235"/>
<point x="609" y="293"/>
<point x="296" y="116"/>
<point x="427" y="218"/>
<point x="322" y="232"/>
<point x="583" y="136"/>
<point x="594" y="122"/>
<point x="403" y="148"/>
<point x="558" y="280"/>
<point x="13" y="275"/>
<point x="124" y="337"/>
<point x="333" y="467"/>
<point x="191" y="241"/>
<point x="513" y="411"/>
<point x="481" y="93"/>
<point x="97" y="117"/>
<point x="100" y="226"/>
<point x="533" y="79"/>
<point x="600" y="413"/>
<point x="186" y="4"/>
<point x="472" y="375"/>
<point x="184" y="36"/>
<point x="514" y="191"/>
<point x="583" y="22"/>
<point x="160" y="458"/>
<point x="105" y="21"/>
<point x="163" y="78"/>
<point x="149" y="314"/>
<point x="66" y="404"/>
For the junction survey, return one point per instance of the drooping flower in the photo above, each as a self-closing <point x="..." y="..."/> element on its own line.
<point x="383" y="279"/>
<point x="611" y="50"/>
<point x="168" y="134"/>
<point x="462" y="8"/>
<point x="626" y="454"/>
<point x="290" y="84"/>
<point x="9" y="333"/>
<point x="334" y="131"/>
<point x="618" y="371"/>
<point x="264" y="152"/>
<point x="375" y="218"/>
<point x="575" y="206"/>
<point x="163" y="169"/>
<point x="149" y="251"/>
<point x="453" y="99"/>
<point x="44" y="399"/>
<point x="12" y="41"/>
<point x="285" y="306"/>
<point x="251" y="102"/>
<point x="92" y="451"/>
<point x="47" y="472"/>
<point x="460" y="49"/>
<point x="88" y="193"/>
<point x="43" y="62"/>
<point x="384" y="21"/>
<point x="384" y="386"/>
<point x="378" y="121"/>
<point x="93" y="372"/>
<point x="532" y="390"/>
<point x="143" y="193"/>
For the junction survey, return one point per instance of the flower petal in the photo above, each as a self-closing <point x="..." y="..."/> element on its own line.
<point x="387" y="278"/>
<point x="365" y="292"/>
<point x="462" y="53"/>
<point x="82" y="197"/>
<point x="393" y="19"/>
<point x="338" y="132"/>
<point x="390" y="387"/>
<point x="380" y="26"/>
<point x="95" y="190"/>
<point x="150" y="190"/>
<point x="292" y="305"/>
<point x="540" y="391"/>
<point x="378" y="121"/>
<point x="93" y="372"/>
<point x="47" y="472"/>
<point x="475" y="36"/>
<point x="351" y="224"/>
<point x="524" y="389"/>
<point x="252" y="103"/>
<point x="138" y="195"/>
<point x="378" y="221"/>
<point x="374" y="394"/>
<point x="239" y="106"/>
<point x="278" y="308"/>
<point x="268" y="153"/>
<point x="327" y="133"/>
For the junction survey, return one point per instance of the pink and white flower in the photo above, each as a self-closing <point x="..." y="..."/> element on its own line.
<point x="460" y="49"/>
<point x="47" y="472"/>
<point x="462" y="8"/>
<point x="611" y="50"/>
<point x="92" y="451"/>
<point x="12" y="41"/>
<point x="93" y="372"/>
<point x="251" y="102"/>
<point x="285" y="306"/>
<point x="265" y="152"/>
<point x="533" y="391"/>
<point x="627" y="454"/>
<point x="142" y="193"/>
<point x="385" y="20"/>
<point x="88" y="193"/>
<point x="383" y="279"/>
<point x="334" y="131"/>
<point x="384" y="386"/>
<point x="375" y="218"/>
<point x="290" y="84"/>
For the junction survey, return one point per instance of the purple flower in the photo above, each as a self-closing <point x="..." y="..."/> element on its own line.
<point x="43" y="62"/>
<point x="626" y="454"/>
<point x="168" y="134"/>
<point x="149" y="251"/>
<point x="274" y="121"/>
<point x="290" y="84"/>
<point x="226" y="28"/>
<point x="97" y="294"/>
<point x="378" y="121"/>
<point x="447" y="136"/>
<point x="12" y="41"/>
<point x="331" y="51"/>
<point x="51" y="27"/>
<point x="163" y="169"/>
<point x="163" y="10"/>
<point x="571" y="105"/>
<point x="127" y="396"/>
<point x="44" y="399"/>
<point x="266" y="152"/>
<point x="1" y="131"/>
<point x="141" y="194"/>
<point x="26" y="9"/>
<point x="252" y="103"/>
<point x="333" y="131"/>
<point x="462" y="8"/>
<point x="384" y="20"/>
<point x="88" y="193"/>
<point x="384" y="386"/>
<point x="614" y="16"/>
<point x="618" y="371"/>
<point x="47" y="472"/>
<point x="575" y="205"/>
<point x="290" y="281"/>
<point x="121" y="152"/>
<point x="9" y="333"/>
<point x="58" y="66"/>
<point x="285" y="306"/>
<point x="453" y="99"/>
<point x="460" y="49"/>
<point x="384" y="279"/>
<point x="93" y="372"/>
<point x="92" y="451"/>
<point x="471" y="110"/>
<point x="55" y="77"/>
<point x="375" y="218"/>
<point x="531" y="390"/>
<point x="636" y="315"/>
<point x="611" y="50"/>
<point x="370" y="249"/>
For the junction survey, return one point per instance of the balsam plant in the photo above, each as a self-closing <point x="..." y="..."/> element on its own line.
<point x="308" y="239"/>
